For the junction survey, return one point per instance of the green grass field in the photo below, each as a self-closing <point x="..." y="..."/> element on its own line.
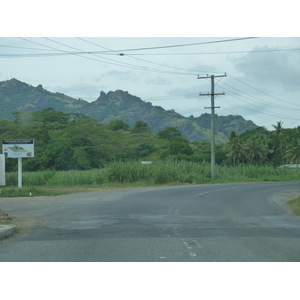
<point x="176" y="172"/>
<point x="157" y="173"/>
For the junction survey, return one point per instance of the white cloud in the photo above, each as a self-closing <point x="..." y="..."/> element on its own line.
<point x="272" y="70"/>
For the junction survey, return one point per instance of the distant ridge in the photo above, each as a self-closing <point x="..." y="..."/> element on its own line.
<point x="17" y="96"/>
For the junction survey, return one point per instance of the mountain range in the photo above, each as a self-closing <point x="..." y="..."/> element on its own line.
<point x="17" y="96"/>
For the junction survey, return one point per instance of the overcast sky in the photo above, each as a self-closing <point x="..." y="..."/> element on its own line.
<point x="262" y="82"/>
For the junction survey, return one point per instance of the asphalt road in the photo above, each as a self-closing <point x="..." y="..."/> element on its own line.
<point x="194" y="223"/>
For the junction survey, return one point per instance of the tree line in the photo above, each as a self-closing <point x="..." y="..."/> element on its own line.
<point x="276" y="147"/>
<point x="73" y="141"/>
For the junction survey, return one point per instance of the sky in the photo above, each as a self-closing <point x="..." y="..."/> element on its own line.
<point x="163" y="65"/>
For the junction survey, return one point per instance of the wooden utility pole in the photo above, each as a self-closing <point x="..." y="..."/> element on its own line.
<point x="212" y="94"/>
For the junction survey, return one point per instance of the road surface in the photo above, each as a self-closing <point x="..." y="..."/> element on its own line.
<point x="194" y="223"/>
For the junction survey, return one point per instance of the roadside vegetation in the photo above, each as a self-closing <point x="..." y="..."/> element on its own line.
<point x="134" y="173"/>
<point x="64" y="142"/>
<point x="294" y="205"/>
<point x="76" y="153"/>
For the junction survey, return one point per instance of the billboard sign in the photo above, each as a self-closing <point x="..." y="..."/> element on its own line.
<point x="18" y="148"/>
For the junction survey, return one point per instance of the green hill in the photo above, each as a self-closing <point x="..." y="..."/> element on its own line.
<point x="17" y="96"/>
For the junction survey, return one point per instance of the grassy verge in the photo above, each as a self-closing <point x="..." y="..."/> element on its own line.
<point x="38" y="191"/>
<point x="294" y="205"/>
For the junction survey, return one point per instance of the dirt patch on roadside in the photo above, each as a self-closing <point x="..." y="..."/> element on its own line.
<point x="5" y="217"/>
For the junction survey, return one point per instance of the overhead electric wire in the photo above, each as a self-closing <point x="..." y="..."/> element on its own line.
<point x="131" y="54"/>
<point x="184" y="45"/>
<point x="118" y="64"/>
<point x="271" y="104"/>
<point x="211" y="53"/>
<point x="126" y="64"/>
<point x="261" y="91"/>
<point x="261" y="101"/>
<point x="131" y="65"/>
<point x="257" y="111"/>
<point x="119" y="53"/>
<point x="163" y="98"/>
<point x="27" y="48"/>
<point x="147" y="61"/>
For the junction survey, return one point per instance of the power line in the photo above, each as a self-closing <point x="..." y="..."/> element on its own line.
<point x="184" y="45"/>
<point x="261" y="91"/>
<point x="135" y="58"/>
<point x="113" y="61"/>
<point x="131" y="65"/>
<point x="164" y="98"/>
<point x="258" y="111"/>
<point x="261" y="101"/>
<point x="119" y="52"/>
<point x="26" y="48"/>
<point x="131" y="54"/>
<point x="212" y="53"/>
<point x="147" y="61"/>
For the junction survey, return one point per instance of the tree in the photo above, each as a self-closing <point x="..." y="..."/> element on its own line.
<point x="118" y="125"/>
<point x="169" y="133"/>
<point x="141" y="128"/>
<point x="80" y="141"/>
<point x="235" y="150"/>
<point x="256" y="148"/>
<point x="81" y="159"/>
<point x="292" y="154"/>
<point x="58" y="156"/>
<point x="278" y="134"/>
<point x="145" y="149"/>
<point x="51" y="119"/>
<point x="179" y="146"/>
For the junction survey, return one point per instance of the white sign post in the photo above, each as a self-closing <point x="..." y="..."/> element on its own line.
<point x="20" y="172"/>
<point x="2" y="170"/>
<point x="18" y="149"/>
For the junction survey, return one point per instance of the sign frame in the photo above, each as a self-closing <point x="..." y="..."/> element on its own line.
<point x="16" y="148"/>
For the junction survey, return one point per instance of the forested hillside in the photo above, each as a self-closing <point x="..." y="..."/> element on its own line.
<point x="17" y="96"/>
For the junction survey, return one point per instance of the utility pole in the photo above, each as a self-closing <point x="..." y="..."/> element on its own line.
<point x="212" y="94"/>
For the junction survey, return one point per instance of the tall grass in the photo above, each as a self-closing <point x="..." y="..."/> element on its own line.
<point x="158" y="172"/>
<point x="162" y="172"/>
<point x="30" y="178"/>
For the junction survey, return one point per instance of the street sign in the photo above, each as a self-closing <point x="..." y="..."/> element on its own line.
<point x="18" y="148"/>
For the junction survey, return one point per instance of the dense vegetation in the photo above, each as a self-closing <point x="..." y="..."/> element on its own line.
<point x="72" y="141"/>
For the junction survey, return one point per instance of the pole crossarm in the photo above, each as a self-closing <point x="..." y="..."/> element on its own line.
<point x="205" y="77"/>
<point x="208" y="94"/>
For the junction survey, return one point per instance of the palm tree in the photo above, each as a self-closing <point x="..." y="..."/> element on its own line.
<point x="235" y="150"/>
<point x="256" y="148"/>
<point x="278" y="133"/>
<point x="292" y="154"/>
